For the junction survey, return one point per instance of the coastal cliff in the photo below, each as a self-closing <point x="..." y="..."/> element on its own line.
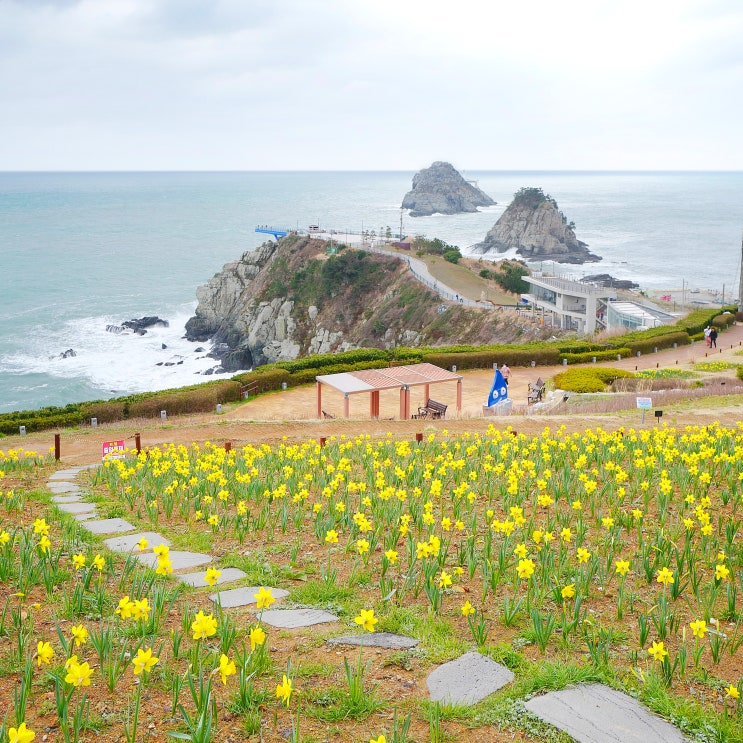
<point x="291" y="299"/>
<point x="537" y="229"/>
<point x="441" y="189"/>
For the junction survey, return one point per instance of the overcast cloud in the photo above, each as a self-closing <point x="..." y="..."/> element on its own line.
<point x="370" y="84"/>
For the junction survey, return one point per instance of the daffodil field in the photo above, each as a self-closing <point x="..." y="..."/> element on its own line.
<point x="598" y="555"/>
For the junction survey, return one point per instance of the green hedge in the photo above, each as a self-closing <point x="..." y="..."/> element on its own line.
<point x="647" y="345"/>
<point x="318" y="361"/>
<point x="588" y="356"/>
<point x="513" y="356"/>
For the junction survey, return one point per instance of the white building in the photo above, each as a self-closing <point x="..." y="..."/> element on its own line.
<point x="586" y="308"/>
<point x="569" y="305"/>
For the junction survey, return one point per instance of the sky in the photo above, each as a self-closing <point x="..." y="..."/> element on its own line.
<point x="371" y="84"/>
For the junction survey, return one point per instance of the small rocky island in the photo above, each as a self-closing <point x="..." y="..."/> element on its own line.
<point x="534" y="226"/>
<point x="441" y="189"/>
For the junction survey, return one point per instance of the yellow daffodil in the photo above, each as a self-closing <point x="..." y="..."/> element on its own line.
<point x="380" y="739"/>
<point x="658" y="651"/>
<point x="45" y="544"/>
<point x="467" y="609"/>
<point x="78" y="674"/>
<point x="568" y="592"/>
<point x="362" y="546"/>
<point x="622" y="567"/>
<point x="125" y="608"/>
<point x="525" y="569"/>
<point x="21" y="734"/>
<point x="331" y="536"/>
<point x="142" y="544"/>
<point x="78" y="561"/>
<point x="520" y="551"/>
<point x="44" y="652"/>
<point x="733" y="692"/>
<point x="366" y="620"/>
<point x="144" y="661"/>
<point x="99" y="563"/>
<point x="80" y="635"/>
<point x="665" y="576"/>
<point x="444" y="579"/>
<point x="203" y="626"/>
<point x="141" y="609"/>
<point x="41" y="527"/>
<point x="284" y="690"/>
<point x="211" y="576"/>
<point x="583" y="555"/>
<point x="721" y="572"/>
<point x="257" y="637"/>
<point x="264" y="598"/>
<point x="699" y="628"/>
<point x="391" y="555"/>
<point x="226" y="668"/>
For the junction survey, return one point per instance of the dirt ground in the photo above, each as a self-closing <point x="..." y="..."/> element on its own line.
<point x="293" y="413"/>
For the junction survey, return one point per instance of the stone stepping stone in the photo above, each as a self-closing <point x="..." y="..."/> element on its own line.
<point x="385" y="640"/>
<point x="63" y="487"/>
<point x="129" y="542"/>
<point x="594" y="713"/>
<point x="76" y="508"/>
<point x="109" y="526"/>
<point x="293" y="618"/>
<point x="235" y="597"/>
<point x="85" y="516"/>
<point x="69" y="474"/>
<point x="467" y="680"/>
<point x="180" y="560"/>
<point x="67" y="499"/>
<point x="229" y="575"/>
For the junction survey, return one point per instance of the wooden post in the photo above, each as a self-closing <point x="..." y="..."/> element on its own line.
<point x="418" y="437"/>
<point x="319" y="400"/>
<point x="138" y="442"/>
<point x="57" y="446"/>
<point x="228" y="446"/>
<point x="322" y="441"/>
<point x="459" y="396"/>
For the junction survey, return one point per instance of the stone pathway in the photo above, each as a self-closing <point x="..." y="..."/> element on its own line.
<point x="593" y="713"/>
<point x="385" y="640"/>
<point x="236" y="597"/>
<point x="590" y="713"/>
<point x="467" y="680"/>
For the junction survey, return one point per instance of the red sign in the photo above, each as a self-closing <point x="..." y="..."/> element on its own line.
<point x="113" y="450"/>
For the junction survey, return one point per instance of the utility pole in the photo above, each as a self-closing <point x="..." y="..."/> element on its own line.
<point x="401" y="235"/>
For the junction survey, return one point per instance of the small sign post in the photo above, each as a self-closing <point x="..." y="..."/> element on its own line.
<point x="113" y="450"/>
<point x="644" y="403"/>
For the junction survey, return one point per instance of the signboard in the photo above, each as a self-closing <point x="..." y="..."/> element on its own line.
<point x="644" y="403"/>
<point x="113" y="450"/>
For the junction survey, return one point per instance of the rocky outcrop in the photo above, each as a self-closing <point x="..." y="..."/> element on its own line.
<point x="291" y="299"/>
<point x="441" y="189"/>
<point x="534" y="226"/>
<point x="608" y="281"/>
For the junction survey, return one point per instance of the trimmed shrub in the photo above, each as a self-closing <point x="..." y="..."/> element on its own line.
<point x="513" y="356"/>
<point x="646" y="345"/>
<point x="588" y="356"/>
<point x="201" y="399"/>
<point x="106" y="411"/>
<point x="319" y="361"/>
<point x="306" y="376"/>
<point x="588" y="380"/>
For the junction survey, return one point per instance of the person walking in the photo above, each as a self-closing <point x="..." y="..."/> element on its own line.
<point x="713" y="337"/>
<point x="506" y="372"/>
<point x="707" y="339"/>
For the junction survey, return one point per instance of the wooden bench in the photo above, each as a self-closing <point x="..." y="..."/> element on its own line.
<point x="432" y="409"/>
<point x="536" y="390"/>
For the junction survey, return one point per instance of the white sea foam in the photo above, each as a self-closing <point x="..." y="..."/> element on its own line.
<point x="116" y="363"/>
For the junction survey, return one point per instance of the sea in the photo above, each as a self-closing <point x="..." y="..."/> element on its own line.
<point x="83" y="251"/>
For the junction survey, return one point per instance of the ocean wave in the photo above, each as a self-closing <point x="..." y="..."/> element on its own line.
<point x="115" y="363"/>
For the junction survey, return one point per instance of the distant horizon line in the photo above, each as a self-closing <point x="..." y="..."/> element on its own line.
<point x="370" y="170"/>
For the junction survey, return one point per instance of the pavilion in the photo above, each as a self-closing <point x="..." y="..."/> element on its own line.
<point x="375" y="380"/>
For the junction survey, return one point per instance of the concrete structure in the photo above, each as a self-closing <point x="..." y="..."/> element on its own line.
<point x="569" y="305"/>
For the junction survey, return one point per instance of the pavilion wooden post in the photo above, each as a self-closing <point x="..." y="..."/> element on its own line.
<point x="319" y="400"/>
<point x="374" y="404"/>
<point x="405" y="402"/>
<point x="426" y="393"/>
<point x="346" y="405"/>
<point x="459" y="395"/>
